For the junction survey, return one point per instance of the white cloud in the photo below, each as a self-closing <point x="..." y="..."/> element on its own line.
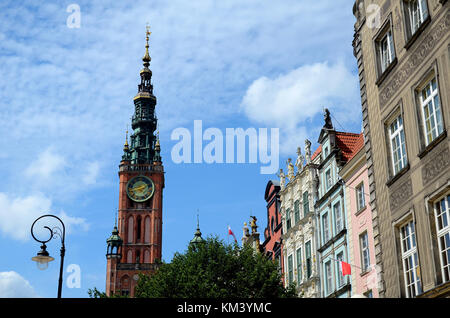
<point x="91" y="173"/>
<point x="17" y="216"/>
<point x="292" y="100"/>
<point x="12" y="285"/>
<point x="46" y="165"/>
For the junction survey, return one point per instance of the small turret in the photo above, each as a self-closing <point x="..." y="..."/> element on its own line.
<point x="198" y="239"/>
<point x="114" y="244"/>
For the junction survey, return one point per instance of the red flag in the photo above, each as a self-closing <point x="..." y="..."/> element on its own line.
<point x="346" y="269"/>
<point x="230" y="232"/>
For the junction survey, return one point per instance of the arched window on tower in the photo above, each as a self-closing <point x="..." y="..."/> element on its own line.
<point x="146" y="256"/>
<point x="138" y="229"/>
<point x="147" y="230"/>
<point x="130" y="256"/>
<point x="130" y="229"/>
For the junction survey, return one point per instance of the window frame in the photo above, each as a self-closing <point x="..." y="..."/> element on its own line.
<point x="305" y="201"/>
<point x="399" y="132"/>
<point x="326" y="229"/>
<point x="410" y="254"/>
<point x="340" y="277"/>
<point x="364" y="250"/>
<point x="308" y="259"/>
<point x="359" y="187"/>
<point x="288" y="219"/>
<point x="432" y="72"/>
<point x="441" y="233"/>
<point x="387" y="28"/>
<point x="341" y="217"/>
<point x="328" y="279"/>
<point x="299" y="260"/>
<point x="290" y="264"/>
<point x="296" y="211"/>
<point x="328" y="180"/>
<point x="410" y="35"/>
<point x="434" y="93"/>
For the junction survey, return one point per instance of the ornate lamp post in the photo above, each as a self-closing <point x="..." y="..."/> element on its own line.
<point x="43" y="258"/>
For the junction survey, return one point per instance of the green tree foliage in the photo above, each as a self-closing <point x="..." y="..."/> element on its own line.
<point x="213" y="269"/>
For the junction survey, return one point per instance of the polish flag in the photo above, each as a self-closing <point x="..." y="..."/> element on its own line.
<point x="346" y="269"/>
<point x="230" y="232"/>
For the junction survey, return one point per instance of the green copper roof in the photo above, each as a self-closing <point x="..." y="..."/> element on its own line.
<point x="197" y="236"/>
<point x="114" y="239"/>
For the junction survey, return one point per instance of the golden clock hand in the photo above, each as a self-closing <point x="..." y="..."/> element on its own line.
<point x="140" y="188"/>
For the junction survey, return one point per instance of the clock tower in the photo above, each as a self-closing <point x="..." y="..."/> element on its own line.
<point x="135" y="244"/>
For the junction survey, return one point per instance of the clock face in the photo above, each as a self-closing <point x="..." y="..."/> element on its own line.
<point x="140" y="189"/>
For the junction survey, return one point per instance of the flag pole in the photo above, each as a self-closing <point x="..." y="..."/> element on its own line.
<point x="353" y="265"/>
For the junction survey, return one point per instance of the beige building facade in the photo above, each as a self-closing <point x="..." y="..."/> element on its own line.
<point x="402" y="48"/>
<point x="299" y="239"/>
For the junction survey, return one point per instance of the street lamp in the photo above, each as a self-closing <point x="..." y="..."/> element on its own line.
<point x="43" y="257"/>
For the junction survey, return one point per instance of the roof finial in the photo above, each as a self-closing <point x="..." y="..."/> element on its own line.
<point x="146" y="57"/>
<point x="125" y="146"/>
<point x="198" y="223"/>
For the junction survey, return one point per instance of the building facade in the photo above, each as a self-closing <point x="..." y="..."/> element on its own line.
<point x="299" y="224"/>
<point x="333" y="240"/>
<point x="364" y="276"/>
<point x="403" y="57"/>
<point x="272" y="244"/>
<point x="135" y="244"/>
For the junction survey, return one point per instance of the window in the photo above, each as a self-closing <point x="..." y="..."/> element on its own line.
<point x="442" y="214"/>
<point x="325" y="227"/>
<point x="360" y="197"/>
<point x="431" y="111"/>
<point x="416" y="13"/>
<point x="397" y="142"/>
<point x="328" y="278"/>
<point x="272" y="224"/>
<point x="288" y="219"/>
<point x="339" y="259"/>
<point x="338" y="217"/>
<point x="290" y="270"/>
<point x="308" y="259"/>
<point x="296" y="211"/>
<point x="328" y="179"/>
<point x="410" y="260"/>
<point x="364" y="248"/>
<point x="325" y="152"/>
<point x="385" y="50"/>
<point x="305" y="203"/>
<point x="299" y="266"/>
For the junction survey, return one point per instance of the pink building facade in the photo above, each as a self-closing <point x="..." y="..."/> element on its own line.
<point x="364" y="276"/>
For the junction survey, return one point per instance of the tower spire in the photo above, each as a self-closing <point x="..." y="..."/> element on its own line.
<point x="143" y="123"/>
<point x="146" y="73"/>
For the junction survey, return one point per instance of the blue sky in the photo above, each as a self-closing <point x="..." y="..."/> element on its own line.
<point x="66" y="99"/>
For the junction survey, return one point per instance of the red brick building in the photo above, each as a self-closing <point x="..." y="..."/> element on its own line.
<point x="272" y="234"/>
<point x="135" y="244"/>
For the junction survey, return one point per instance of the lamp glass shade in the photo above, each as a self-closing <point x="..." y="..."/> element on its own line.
<point x="42" y="261"/>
